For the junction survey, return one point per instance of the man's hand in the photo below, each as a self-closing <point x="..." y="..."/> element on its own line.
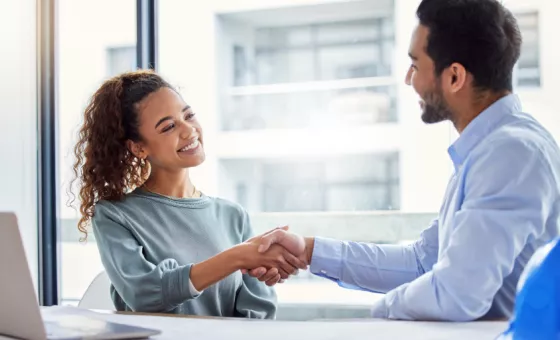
<point x="295" y="244"/>
<point x="275" y="264"/>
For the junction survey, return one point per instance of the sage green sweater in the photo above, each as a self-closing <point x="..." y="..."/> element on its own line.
<point x="149" y="242"/>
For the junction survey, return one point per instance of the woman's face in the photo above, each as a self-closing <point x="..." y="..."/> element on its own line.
<point x="172" y="137"/>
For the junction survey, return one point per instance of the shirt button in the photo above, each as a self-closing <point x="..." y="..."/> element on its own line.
<point x="324" y="272"/>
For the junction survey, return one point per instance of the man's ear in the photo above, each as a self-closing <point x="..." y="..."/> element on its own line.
<point x="136" y="149"/>
<point x="457" y="77"/>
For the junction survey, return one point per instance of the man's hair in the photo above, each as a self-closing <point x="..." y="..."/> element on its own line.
<point x="481" y="35"/>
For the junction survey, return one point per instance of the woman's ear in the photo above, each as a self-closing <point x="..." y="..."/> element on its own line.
<point x="136" y="149"/>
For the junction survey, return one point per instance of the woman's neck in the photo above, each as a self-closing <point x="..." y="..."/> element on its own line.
<point x="167" y="183"/>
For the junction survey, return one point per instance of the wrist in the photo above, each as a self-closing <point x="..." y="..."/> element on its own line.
<point x="309" y="245"/>
<point x="214" y="269"/>
<point x="239" y="255"/>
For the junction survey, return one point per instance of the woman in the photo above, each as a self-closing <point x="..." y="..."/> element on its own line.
<point x="163" y="242"/>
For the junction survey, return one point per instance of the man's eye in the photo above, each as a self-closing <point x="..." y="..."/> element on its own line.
<point x="189" y="116"/>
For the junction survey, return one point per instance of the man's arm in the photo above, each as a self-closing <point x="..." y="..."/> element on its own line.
<point x="371" y="267"/>
<point x="374" y="267"/>
<point x="499" y="214"/>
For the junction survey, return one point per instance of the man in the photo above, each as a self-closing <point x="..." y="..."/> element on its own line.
<point x="502" y="202"/>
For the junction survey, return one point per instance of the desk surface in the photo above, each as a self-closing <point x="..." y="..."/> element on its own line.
<point x="220" y="328"/>
<point x="189" y="328"/>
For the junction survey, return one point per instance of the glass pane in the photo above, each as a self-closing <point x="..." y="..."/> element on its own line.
<point x="348" y="33"/>
<point x="359" y="168"/>
<point x="18" y="125"/>
<point x="344" y="183"/>
<point x="528" y="72"/>
<point x="358" y="197"/>
<point x="353" y="61"/>
<point x="94" y="44"/>
<point x="283" y="37"/>
<point x="349" y="107"/>
<point x="324" y="51"/>
<point x="283" y="66"/>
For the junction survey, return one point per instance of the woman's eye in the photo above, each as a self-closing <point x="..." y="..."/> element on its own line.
<point x="189" y="116"/>
<point x="168" y="127"/>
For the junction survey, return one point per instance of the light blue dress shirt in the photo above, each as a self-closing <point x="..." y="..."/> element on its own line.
<point x="501" y="204"/>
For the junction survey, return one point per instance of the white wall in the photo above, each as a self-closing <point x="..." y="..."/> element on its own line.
<point x="18" y="120"/>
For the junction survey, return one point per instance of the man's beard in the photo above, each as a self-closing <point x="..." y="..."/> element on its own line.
<point x="435" y="108"/>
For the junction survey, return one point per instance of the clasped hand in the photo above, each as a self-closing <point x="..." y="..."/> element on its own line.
<point x="275" y="255"/>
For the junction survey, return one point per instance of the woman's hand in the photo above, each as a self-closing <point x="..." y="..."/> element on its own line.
<point x="276" y="264"/>
<point x="295" y="244"/>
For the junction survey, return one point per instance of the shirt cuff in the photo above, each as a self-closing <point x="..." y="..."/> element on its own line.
<point x="326" y="260"/>
<point x="380" y="309"/>
<point x="193" y="290"/>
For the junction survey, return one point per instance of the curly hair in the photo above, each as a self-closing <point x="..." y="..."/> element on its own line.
<point x="104" y="167"/>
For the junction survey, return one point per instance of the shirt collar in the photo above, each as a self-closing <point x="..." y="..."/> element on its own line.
<point x="480" y="127"/>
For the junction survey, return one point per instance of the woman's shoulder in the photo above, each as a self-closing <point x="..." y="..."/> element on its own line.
<point x="114" y="203"/>
<point x="115" y="208"/>
<point x="227" y="205"/>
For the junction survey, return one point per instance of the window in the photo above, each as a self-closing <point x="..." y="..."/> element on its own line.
<point x="528" y="67"/>
<point x="299" y="105"/>
<point x="335" y="72"/>
<point x="94" y="44"/>
<point x="322" y="51"/>
<point x="121" y="59"/>
<point x="307" y="119"/>
<point x="357" y="183"/>
<point x="18" y="123"/>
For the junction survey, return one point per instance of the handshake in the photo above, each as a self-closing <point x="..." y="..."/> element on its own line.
<point x="275" y="255"/>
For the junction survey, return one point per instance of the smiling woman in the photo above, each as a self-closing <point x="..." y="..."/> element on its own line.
<point x="161" y="241"/>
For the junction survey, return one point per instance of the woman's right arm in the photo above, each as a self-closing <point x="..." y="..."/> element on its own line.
<point x="144" y="286"/>
<point x="148" y="287"/>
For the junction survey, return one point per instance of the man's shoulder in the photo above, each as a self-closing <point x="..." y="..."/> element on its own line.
<point x="518" y="145"/>
<point x="520" y="134"/>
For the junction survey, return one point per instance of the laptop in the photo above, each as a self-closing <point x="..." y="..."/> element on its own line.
<point x="20" y="314"/>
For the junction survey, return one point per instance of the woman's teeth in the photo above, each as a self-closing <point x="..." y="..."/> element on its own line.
<point x="190" y="146"/>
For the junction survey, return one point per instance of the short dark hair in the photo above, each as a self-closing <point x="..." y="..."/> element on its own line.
<point x="481" y="35"/>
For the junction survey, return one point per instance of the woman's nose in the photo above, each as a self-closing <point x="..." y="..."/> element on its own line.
<point x="188" y="131"/>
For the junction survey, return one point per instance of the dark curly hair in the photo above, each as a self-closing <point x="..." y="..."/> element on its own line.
<point x="105" y="169"/>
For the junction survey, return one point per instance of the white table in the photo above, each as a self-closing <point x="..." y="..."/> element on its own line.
<point x="211" y="329"/>
<point x="247" y="329"/>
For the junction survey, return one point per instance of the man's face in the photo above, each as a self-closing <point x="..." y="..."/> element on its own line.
<point x="421" y="76"/>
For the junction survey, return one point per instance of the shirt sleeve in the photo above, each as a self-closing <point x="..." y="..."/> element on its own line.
<point x="193" y="290"/>
<point x="254" y="298"/>
<point x="142" y="285"/>
<point x="507" y="197"/>
<point x="374" y="267"/>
